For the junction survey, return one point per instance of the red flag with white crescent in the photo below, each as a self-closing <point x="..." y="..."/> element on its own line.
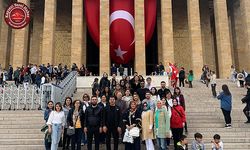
<point x="122" y="24"/>
<point x="174" y="71"/>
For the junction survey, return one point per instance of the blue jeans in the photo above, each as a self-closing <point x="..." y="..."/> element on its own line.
<point x="161" y="143"/>
<point x="84" y="139"/>
<point x="55" y="136"/>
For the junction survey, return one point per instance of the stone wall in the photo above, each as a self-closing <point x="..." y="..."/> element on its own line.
<point x="63" y="33"/>
<point x="182" y="48"/>
<point x="37" y="33"/>
<point x="207" y="36"/>
<point x="238" y="36"/>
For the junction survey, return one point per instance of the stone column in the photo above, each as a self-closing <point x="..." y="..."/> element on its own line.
<point x="77" y="32"/>
<point x="245" y="9"/>
<point x="104" y="62"/>
<point x="3" y="36"/>
<point x="222" y="38"/>
<point x="48" y="45"/>
<point x="140" y="52"/>
<point x="167" y="32"/>
<point x="194" y="25"/>
<point x="20" y="43"/>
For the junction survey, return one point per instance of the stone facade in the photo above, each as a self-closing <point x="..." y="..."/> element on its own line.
<point x="190" y="33"/>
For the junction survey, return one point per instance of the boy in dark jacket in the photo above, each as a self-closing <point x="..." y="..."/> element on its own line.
<point x="182" y="145"/>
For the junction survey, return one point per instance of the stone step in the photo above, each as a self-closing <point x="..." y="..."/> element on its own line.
<point x="22" y="136"/>
<point x="14" y="122"/>
<point x="20" y="131"/>
<point x="21" y="112"/>
<point x="21" y="115"/>
<point x="21" y="118"/>
<point x="22" y="147"/>
<point x="21" y="141"/>
<point x="21" y="126"/>
<point x="218" y="125"/>
<point x="225" y="140"/>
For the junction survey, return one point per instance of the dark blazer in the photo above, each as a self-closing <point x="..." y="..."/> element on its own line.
<point x="93" y="116"/>
<point x="70" y="117"/>
<point x="107" y="120"/>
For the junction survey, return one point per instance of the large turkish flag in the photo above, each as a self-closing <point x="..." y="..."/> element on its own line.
<point x="121" y="26"/>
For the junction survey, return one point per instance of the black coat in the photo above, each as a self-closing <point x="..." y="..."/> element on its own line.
<point x="117" y="117"/>
<point x="93" y="116"/>
<point x="246" y="99"/>
<point x="135" y="118"/>
<point x="70" y="117"/>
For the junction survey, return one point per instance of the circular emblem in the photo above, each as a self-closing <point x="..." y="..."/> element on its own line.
<point x="17" y="15"/>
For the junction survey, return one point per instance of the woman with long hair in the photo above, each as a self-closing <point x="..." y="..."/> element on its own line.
<point x="56" y="124"/>
<point x="225" y="98"/>
<point x="127" y="97"/>
<point x="131" y="119"/>
<point x="147" y="126"/>
<point x="181" y="101"/>
<point x="47" y="112"/>
<point x="75" y="120"/>
<point x="67" y="105"/>
<point x="154" y="94"/>
<point x="177" y="122"/>
<point x="85" y="104"/>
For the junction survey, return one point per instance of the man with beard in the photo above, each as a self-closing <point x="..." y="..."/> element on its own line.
<point x="93" y="123"/>
<point x="112" y="122"/>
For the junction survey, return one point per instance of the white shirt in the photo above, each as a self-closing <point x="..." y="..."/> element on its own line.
<point x="170" y="102"/>
<point x="148" y="86"/>
<point x="56" y="118"/>
<point x="42" y="80"/>
<point x="220" y="144"/>
<point x="33" y="70"/>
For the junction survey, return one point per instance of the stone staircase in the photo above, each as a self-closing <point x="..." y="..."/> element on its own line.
<point x="21" y="129"/>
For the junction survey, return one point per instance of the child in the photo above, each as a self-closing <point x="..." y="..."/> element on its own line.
<point x="190" y="78"/>
<point x="216" y="143"/>
<point x="197" y="144"/>
<point x="182" y="145"/>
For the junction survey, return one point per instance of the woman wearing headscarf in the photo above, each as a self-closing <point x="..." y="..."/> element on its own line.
<point x="161" y="125"/>
<point x="147" y="126"/>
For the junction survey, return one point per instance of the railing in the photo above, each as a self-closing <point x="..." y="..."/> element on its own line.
<point x="57" y="93"/>
<point x="19" y="98"/>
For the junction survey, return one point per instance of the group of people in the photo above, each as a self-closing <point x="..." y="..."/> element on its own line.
<point x="33" y="74"/>
<point x="123" y="109"/>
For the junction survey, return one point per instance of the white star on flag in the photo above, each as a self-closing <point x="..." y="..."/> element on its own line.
<point x="119" y="52"/>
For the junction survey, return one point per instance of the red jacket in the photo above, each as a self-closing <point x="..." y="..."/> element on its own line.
<point x="177" y="119"/>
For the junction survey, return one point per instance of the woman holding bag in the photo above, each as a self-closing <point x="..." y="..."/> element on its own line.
<point x="132" y="119"/>
<point x="177" y="122"/>
<point x="75" y="121"/>
<point x="162" y="125"/>
<point x="66" y="107"/>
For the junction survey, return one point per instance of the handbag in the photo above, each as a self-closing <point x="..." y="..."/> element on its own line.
<point x="127" y="137"/>
<point x="71" y="130"/>
<point x="44" y="128"/>
<point x="134" y="132"/>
